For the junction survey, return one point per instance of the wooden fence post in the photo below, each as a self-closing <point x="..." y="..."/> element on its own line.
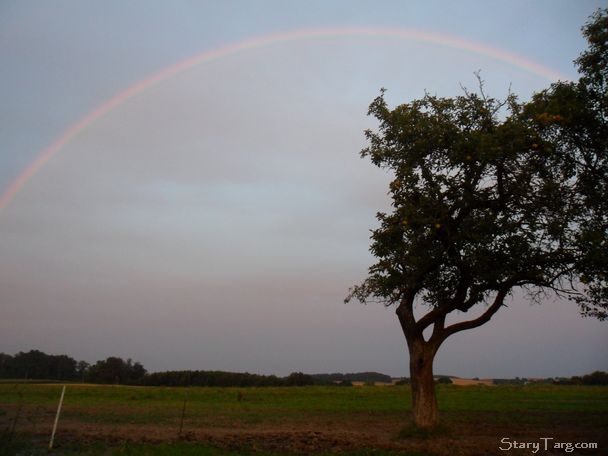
<point x="57" y="418"/>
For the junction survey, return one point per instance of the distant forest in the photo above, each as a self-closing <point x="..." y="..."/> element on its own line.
<point x="38" y="366"/>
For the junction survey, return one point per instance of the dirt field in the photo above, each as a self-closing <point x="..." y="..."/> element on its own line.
<point x="319" y="436"/>
<point x="471" y="382"/>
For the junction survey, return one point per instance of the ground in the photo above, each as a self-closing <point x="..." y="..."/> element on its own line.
<point x="313" y="420"/>
<point x="318" y="436"/>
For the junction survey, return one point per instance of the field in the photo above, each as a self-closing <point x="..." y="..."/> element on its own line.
<point x="367" y="420"/>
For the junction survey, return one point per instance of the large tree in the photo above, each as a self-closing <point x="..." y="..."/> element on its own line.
<point x="488" y="197"/>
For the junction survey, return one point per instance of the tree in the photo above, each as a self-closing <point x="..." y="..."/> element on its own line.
<point x="116" y="370"/>
<point x="299" y="379"/>
<point x="38" y="365"/>
<point x="81" y="370"/>
<point x="595" y="378"/>
<point x="6" y="367"/>
<point x="488" y="197"/>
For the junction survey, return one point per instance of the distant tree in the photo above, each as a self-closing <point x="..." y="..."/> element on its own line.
<point x="115" y="370"/>
<point x="595" y="378"/>
<point x="81" y="370"/>
<point x="31" y="365"/>
<point x="299" y="379"/>
<point x="37" y="365"/>
<point x="490" y="196"/>
<point x="107" y="371"/>
<point x="6" y="366"/>
<point x="134" y="372"/>
<point x="62" y="367"/>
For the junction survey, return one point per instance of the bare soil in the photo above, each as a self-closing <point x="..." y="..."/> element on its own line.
<point x="464" y="434"/>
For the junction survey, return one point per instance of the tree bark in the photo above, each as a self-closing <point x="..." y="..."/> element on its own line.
<point x="424" y="400"/>
<point x="422" y="352"/>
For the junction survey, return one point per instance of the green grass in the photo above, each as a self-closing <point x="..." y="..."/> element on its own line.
<point x="505" y="408"/>
<point x="543" y="397"/>
<point x="193" y="449"/>
<point x="123" y="404"/>
<point x="177" y="449"/>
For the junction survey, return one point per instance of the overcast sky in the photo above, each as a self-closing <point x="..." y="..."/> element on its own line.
<point x="202" y="203"/>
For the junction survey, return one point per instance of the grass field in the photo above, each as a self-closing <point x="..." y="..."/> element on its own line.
<point x="107" y="420"/>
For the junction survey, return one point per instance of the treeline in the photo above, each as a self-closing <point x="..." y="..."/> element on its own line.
<point x="365" y="377"/>
<point x="595" y="378"/>
<point x="220" y="378"/>
<point x="36" y="365"/>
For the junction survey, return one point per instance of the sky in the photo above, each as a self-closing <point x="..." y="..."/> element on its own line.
<point x="181" y="183"/>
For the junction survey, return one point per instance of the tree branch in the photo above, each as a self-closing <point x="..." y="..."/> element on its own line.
<point x="437" y="336"/>
<point x="482" y="319"/>
<point x="405" y="313"/>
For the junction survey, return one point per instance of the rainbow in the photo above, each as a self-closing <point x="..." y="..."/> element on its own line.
<point x="243" y="46"/>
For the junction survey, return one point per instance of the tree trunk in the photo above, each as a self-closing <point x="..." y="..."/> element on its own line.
<point x="424" y="400"/>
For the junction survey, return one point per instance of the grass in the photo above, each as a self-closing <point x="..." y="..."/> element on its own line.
<point x="108" y="420"/>
<point x="177" y="449"/>
<point x="190" y="449"/>
<point x="212" y="406"/>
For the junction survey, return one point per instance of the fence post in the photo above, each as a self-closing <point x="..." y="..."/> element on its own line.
<point x="57" y="418"/>
<point x="181" y="423"/>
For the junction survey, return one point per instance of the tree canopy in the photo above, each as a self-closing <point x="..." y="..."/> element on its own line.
<point x="485" y="201"/>
<point x="489" y="195"/>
